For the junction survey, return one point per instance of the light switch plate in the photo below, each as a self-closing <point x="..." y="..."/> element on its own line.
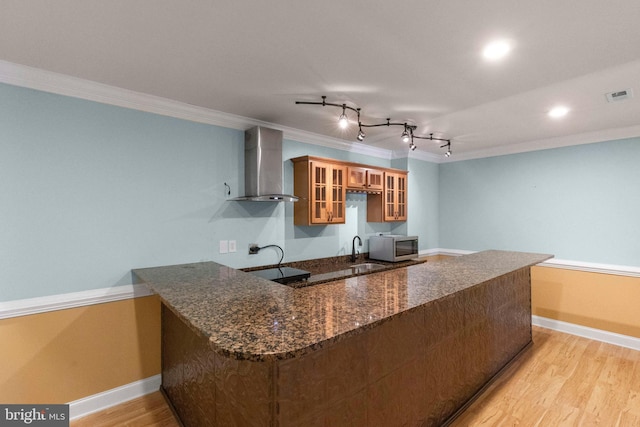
<point x="224" y="246"/>
<point x="232" y="245"/>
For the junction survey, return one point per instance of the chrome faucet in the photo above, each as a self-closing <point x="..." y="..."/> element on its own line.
<point x="354" y="255"/>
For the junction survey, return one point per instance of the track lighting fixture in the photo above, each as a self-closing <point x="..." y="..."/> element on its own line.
<point x="407" y="135"/>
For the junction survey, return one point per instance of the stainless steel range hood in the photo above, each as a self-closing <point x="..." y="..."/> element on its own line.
<point x="263" y="166"/>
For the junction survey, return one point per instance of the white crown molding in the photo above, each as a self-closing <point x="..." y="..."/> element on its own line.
<point x="325" y="141"/>
<point x="419" y="155"/>
<point x="97" y="402"/>
<point x="61" y="84"/>
<point x="25" y="307"/>
<point x="586" y="332"/>
<point x="549" y="143"/>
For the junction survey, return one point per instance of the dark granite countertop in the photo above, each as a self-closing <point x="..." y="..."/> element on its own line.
<point x="247" y="317"/>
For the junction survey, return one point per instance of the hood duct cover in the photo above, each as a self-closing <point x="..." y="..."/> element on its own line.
<point x="263" y="166"/>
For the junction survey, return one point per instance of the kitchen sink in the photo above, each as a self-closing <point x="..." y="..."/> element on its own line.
<point x="366" y="267"/>
<point x="338" y="268"/>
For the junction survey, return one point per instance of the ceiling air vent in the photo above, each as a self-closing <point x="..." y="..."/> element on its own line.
<point x="620" y="95"/>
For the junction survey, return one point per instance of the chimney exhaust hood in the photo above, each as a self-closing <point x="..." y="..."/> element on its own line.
<point x="263" y="166"/>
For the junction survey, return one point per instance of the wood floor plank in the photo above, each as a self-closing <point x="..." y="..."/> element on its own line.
<point x="562" y="380"/>
<point x="628" y="419"/>
<point x="561" y="415"/>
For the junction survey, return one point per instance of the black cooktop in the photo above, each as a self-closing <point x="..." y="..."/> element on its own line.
<point x="282" y="275"/>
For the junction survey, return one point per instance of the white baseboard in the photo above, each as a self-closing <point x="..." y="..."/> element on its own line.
<point x="447" y="252"/>
<point x="586" y="332"/>
<point x="88" y="405"/>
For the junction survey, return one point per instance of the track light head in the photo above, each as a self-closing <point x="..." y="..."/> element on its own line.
<point x="360" y="135"/>
<point x="412" y="147"/>
<point x="405" y="135"/>
<point x="343" y="121"/>
<point x="448" y="145"/>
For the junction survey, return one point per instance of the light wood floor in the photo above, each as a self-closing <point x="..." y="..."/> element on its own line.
<point x="149" y="410"/>
<point x="563" y="380"/>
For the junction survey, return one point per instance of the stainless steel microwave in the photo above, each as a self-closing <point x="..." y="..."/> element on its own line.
<point x="393" y="247"/>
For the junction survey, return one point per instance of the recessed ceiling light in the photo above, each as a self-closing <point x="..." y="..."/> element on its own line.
<point x="496" y="50"/>
<point x="559" y="111"/>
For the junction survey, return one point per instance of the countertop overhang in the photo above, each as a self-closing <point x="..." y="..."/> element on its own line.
<point x="250" y="318"/>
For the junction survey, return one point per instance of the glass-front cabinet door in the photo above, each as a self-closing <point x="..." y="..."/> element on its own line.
<point x="395" y="197"/>
<point x="364" y="179"/>
<point x="328" y="193"/>
<point x="390" y="197"/>
<point x="375" y="180"/>
<point x="338" y="195"/>
<point x="357" y="177"/>
<point x="401" y="198"/>
<point x="319" y="192"/>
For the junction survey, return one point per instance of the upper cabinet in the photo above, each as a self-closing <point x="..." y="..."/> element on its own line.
<point x="391" y="205"/>
<point x="362" y="178"/>
<point x="321" y="184"/>
<point x="395" y="197"/>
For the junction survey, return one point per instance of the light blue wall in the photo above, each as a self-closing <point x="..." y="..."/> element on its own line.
<point x="90" y="191"/>
<point x="579" y="203"/>
<point x="423" y="184"/>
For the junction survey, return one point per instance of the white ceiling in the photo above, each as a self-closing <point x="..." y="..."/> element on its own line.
<point x="415" y="61"/>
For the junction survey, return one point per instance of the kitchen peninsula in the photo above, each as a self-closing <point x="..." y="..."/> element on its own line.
<point x="401" y="347"/>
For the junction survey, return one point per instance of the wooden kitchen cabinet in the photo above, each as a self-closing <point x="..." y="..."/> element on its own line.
<point x="364" y="179"/>
<point x="391" y="205"/>
<point x="375" y="179"/>
<point x="321" y="185"/>
<point x="395" y="197"/>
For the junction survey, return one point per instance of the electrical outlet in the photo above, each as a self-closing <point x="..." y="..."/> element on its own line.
<point x="253" y="248"/>
<point x="224" y="246"/>
<point x="232" y="245"/>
